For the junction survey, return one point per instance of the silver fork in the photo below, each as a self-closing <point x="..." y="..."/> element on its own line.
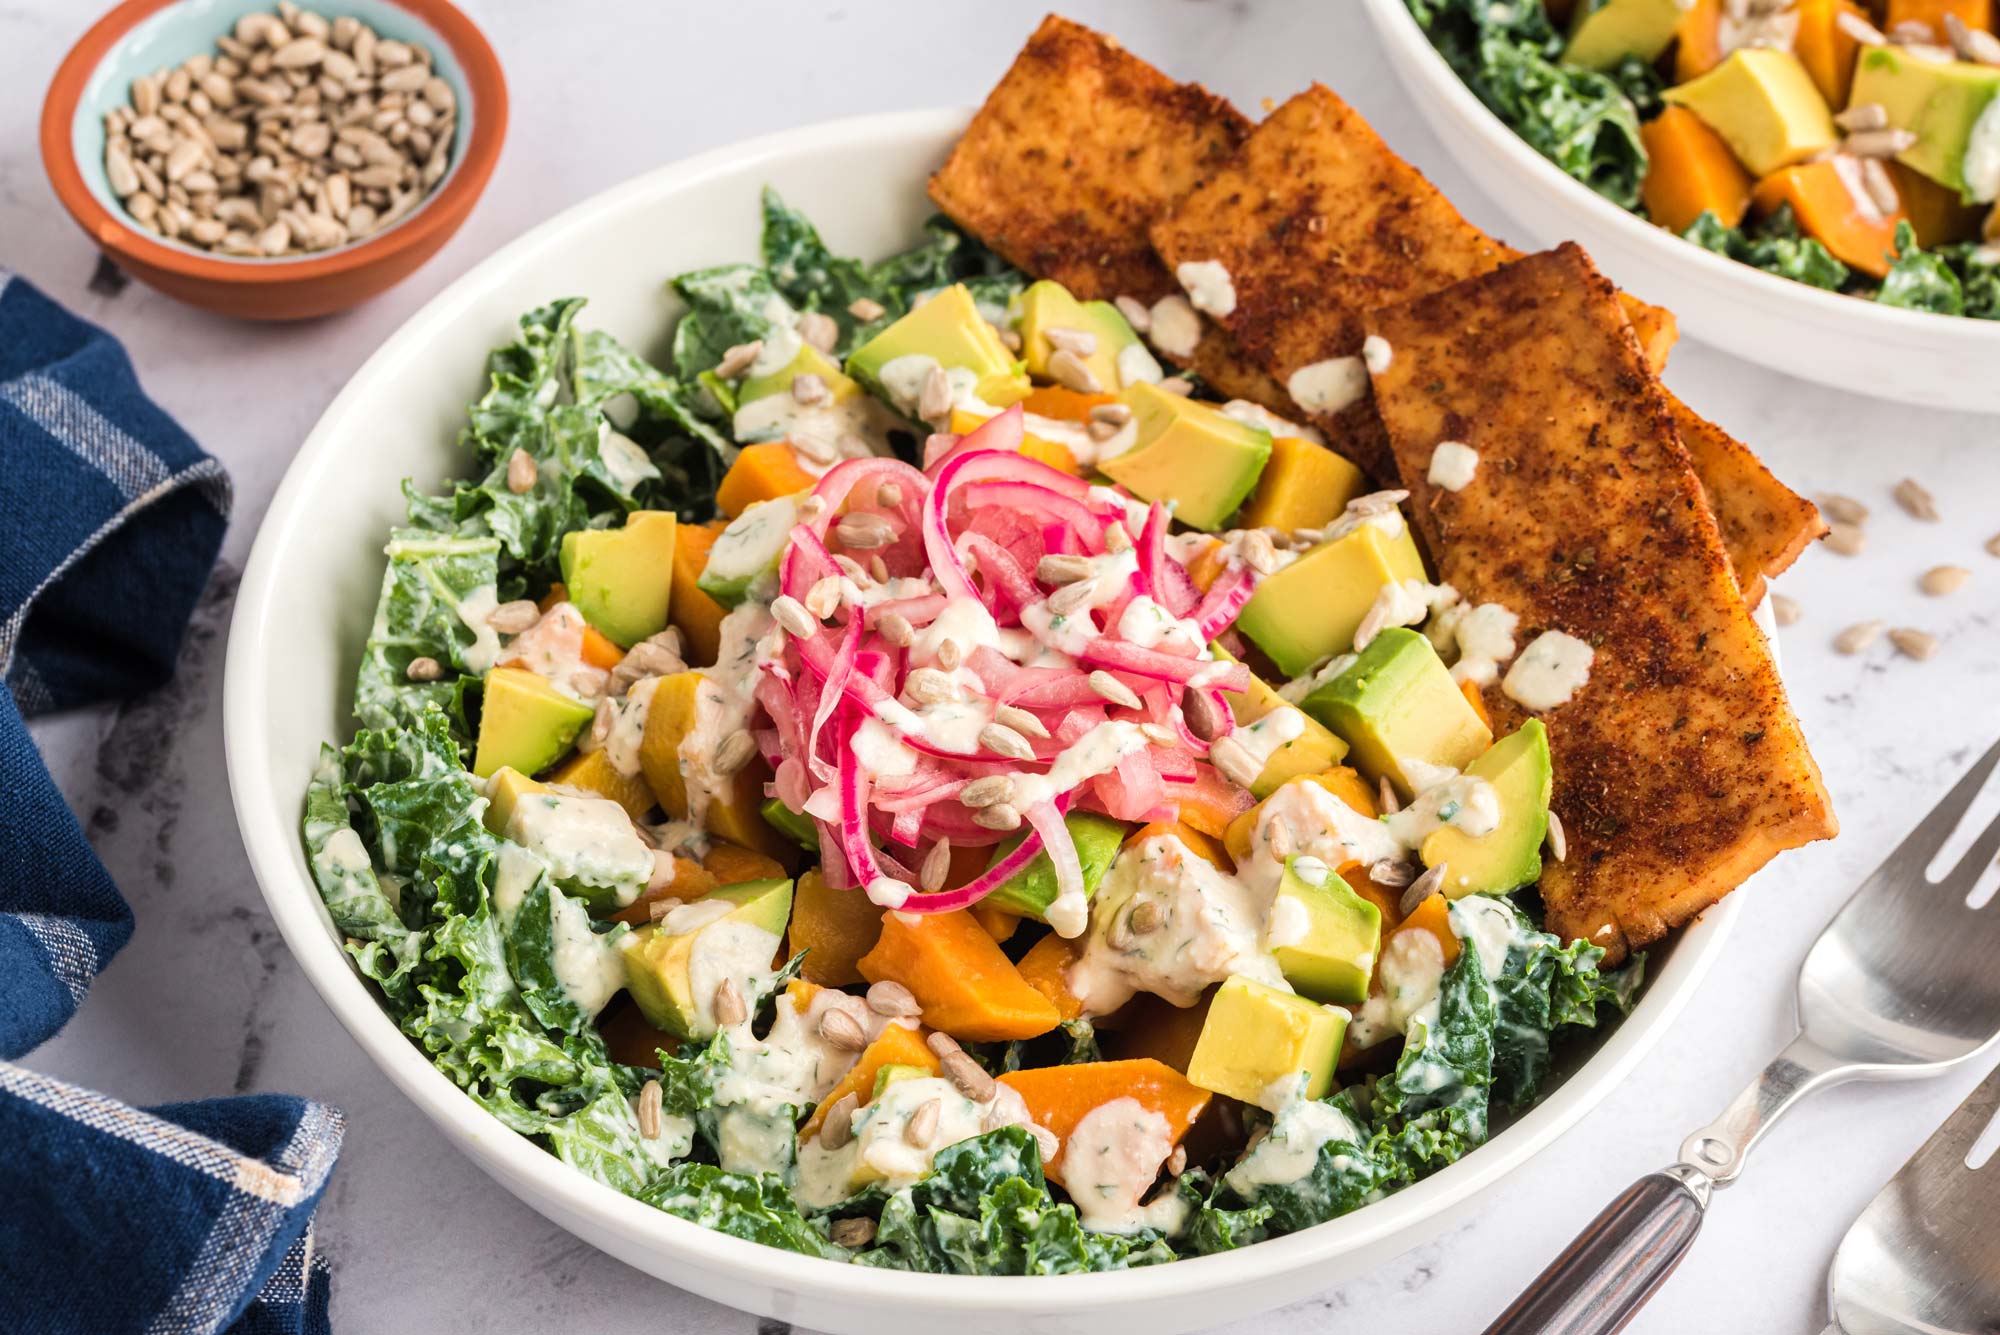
<point x="1900" y="985"/>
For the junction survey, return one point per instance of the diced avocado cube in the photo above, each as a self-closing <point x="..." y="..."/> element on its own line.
<point x="1764" y="105"/>
<point x="1031" y="890"/>
<point x="524" y="722"/>
<point x="743" y="563"/>
<point x="946" y="331"/>
<point x="504" y="790"/>
<point x="1288" y="742"/>
<point x="1189" y="455"/>
<point x="891" y="1072"/>
<point x="1325" y="936"/>
<point x="621" y="579"/>
<point x="1942" y="103"/>
<point x="1511" y="855"/>
<point x="588" y="842"/>
<point x="808" y="360"/>
<point x="792" y="824"/>
<point x="1119" y="359"/>
<point x="1397" y="702"/>
<point x="1604" y="32"/>
<point x="684" y="705"/>
<point x="730" y="934"/>
<point x="720" y="390"/>
<point x="1257" y="1042"/>
<point x="1308" y="612"/>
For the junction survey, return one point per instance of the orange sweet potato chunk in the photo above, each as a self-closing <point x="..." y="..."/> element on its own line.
<point x="1691" y="172"/>
<point x="897" y="1045"/>
<point x="966" y="985"/>
<point x="1059" y="1097"/>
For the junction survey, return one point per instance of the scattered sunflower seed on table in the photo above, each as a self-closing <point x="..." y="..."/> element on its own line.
<point x="298" y="133"/>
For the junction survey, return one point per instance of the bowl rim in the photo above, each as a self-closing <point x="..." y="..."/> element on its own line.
<point x="268" y="822"/>
<point x="1394" y="22"/>
<point x="428" y="223"/>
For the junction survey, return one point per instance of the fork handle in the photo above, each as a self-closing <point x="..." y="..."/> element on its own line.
<point x="1604" y="1277"/>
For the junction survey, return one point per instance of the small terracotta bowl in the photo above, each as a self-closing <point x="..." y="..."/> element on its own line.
<point x="141" y="36"/>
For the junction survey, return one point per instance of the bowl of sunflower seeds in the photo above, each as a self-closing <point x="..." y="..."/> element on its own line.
<point x="274" y="162"/>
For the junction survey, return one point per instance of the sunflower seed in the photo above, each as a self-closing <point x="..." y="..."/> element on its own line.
<point x="1421" y="889"/>
<point x="809" y="389"/>
<point x="1063" y="568"/>
<point x="817" y="330"/>
<point x="1910" y="494"/>
<point x="601" y="721"/>
<point x="1021" y="721"/>
<point x="923" y="1123"/>
<point x="1878" y="143"/>
<point x="790" y="613"/>
<point x="842" y="1030"/>
<point x="1159" y="734"/>
<point x="1385" y="797"/>
<point x="1859" y="29"/>
<point x="1857" y="637"/>
<point x="1175" y="384"/>
<point x="1116" y="691"/>
<point x="837" y="1128"/>
<point x="892" y="999"/>
<point x="1880" y="185"/>
<point x="941" y="1044"/>
<point x="1177" y="1161"/>
<point x="896" y="629"/>
<point x="950" y="654"/>
<point x="878" y="569"/>
<point x="823" y="598"/>
<point x="851" y="1233"/>
<point x="1113" y="414"/>
<point x="1119" y="935"/>
<point x="1258" y="553"/>
<point x="987" y="791"/>
<point x="934" y="399"/>
<point x="1116" y="539"/>
<point x="728" y="1005"/>
<point x="649" y="1110"/>
<point x="810" y="509"/>
<point x="1863" y="116"/>
<point x="1913" y="32"/>
<point x="999" y="816"/>
<point x="1278" y="834"/>
<point x="1917" y="644"/>
<point x="736" y="751"/>
<point x="1390" y="872"/>
<point x="1073" y="373"/>
<point x="1785" y="611"/>
<point x="1078" y="341"/>
<point x="736" y="360"/>
<point x="1556" y="838"/>
<point x="515" y="617"/>
<point x="1234" y="760"/>
<point x="1002" y="740"/>
<point x="928" y="686"/>
<point x="1205" y="715"/>
<point x="1070" y="597"/>
<point x="521" y="472"/>
<point x="937" y="865"/>
<point x="968" y="1076"/>
<point x="888" y="495"/>
<point x="423" y="669"/>
<point x="865" y="310"/>
<point x="1145" y="917"/>
<point x="1941" y="580"/>
<point x="864" y="532"/>
<point x="1136" y="312"/>
<point x="1844" y="539"/>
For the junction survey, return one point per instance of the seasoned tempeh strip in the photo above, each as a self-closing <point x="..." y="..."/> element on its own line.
<point x="1679" y="766"/>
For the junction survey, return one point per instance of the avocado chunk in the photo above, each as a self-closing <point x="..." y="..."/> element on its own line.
<point x="891" y="1072"/>
<point x="808" y="360"/>
<point x="1944" y="104"/>
<point x="1397" y="703"/>
<point x="1279" y="734"/>
<point x="589" y="843"/>
<point x="792" y="824"/>
<point x="620" y="578"/>
<point x="1764" y="105"/>
<point x="1258" y="1041"/>
<point x="743" y="563"/>
<point x="1119" y="359"/>
<point x="1324" y="935"/>
<point x="675" y="967"/>
<point x="1604" y="32"/>
<point x="946" y="331"/>
<point x="1309" y="611"/>
<point x="1031" y="890"/>
<point x="524" y="722"/>
<point x="1511" y="855"/>
<point x="1188" y="455"/>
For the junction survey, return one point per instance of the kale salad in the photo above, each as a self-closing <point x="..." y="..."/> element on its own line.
<point x="910" y="782"/>
<point x="1794" y="136"/>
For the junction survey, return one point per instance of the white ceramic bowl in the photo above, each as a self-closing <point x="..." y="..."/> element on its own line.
<point x="304" y="609"/>
<point x="1932" y="360"/>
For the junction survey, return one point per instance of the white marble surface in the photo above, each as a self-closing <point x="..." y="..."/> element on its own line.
<point x="205" y="1000"/>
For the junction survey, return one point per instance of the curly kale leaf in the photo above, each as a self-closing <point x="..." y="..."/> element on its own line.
<point x="1347" y="1169"/>
<point x="428" y="578"/>
<point x="1773" y="244"/>
<point x="1978" y="270"/>
<point x="384" y="947"/>
<point x="1546" y="991"/>
<point x="759" y="1209"/>
<point x="1919" y="279"/>
<point x="728" y="305"/>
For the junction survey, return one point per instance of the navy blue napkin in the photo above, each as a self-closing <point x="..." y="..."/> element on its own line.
<point x="192" y="1217"/>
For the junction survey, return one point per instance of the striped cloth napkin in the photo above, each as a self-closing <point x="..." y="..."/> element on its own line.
<point x="180" y="1219"/>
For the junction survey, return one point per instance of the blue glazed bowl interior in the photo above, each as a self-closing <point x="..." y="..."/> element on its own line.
<point x="189" y="28"/>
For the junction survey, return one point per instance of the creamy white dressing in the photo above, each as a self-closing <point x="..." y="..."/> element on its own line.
<point x="1300" y="687"/>
<point x="1488" y="925"/>
<point x="1135" y="364"/>
<point x="1176" y="329"/>
<point x="1377" y="510"/>
<point x="1376" y="354"/>
<point x="585" y="841"/>
<point x="1411" y="969"/>
<point x="724" y="702"/>
<point x="882" y="1148"/>
<point x="552" y="649"/>
<point x="1111" y="1160"/>
<point x="1422" y="774"/>
<point x="1290" y="1150"/>
<point x="1453" y="464"/>
<point x="1329" y="386"/>
<point x="623" y="458"/>
<point x="1981" y="164"/>
<point x="1146" y="623"/>
<point x="1269" y="734"/>
<point x="475" y="610"/>
<point x="1086" y="449"/>
<point x="826" y="428"/>
<point x="587" y="966"/>
<point x="746" y="553"/>
<point x="1485" y="639"/>
<point x="730" y="949"/>
<point x="1290" y="923"/>
<point x="1321" y="826"/>
<point x="1464" y="802"/>
<point x="628" y="725"/>
<point x="1549" y="671"/>
<point x="1096" y="752"/>
<point x="1257" y="415"/>
<point x="1208" y="286"/>
<point x="1400" y="602"/>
